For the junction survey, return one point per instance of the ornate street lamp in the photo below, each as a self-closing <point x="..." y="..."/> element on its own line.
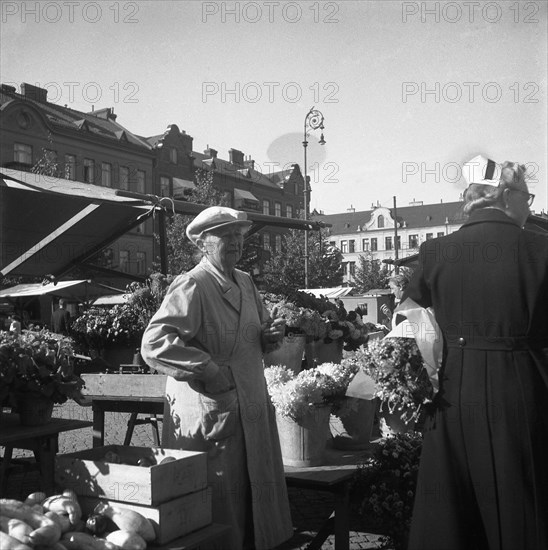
<point x="312" y="121"/>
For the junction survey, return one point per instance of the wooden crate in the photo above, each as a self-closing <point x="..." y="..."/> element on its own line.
<point x="87" y="474"/>
<point x="125" y="385"/>
<point x="171" y="519"/>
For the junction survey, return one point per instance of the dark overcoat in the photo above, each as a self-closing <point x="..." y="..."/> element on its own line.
<point x="483" y="477"/>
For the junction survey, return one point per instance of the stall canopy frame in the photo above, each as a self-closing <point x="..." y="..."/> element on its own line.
<point x="87" y="218"/>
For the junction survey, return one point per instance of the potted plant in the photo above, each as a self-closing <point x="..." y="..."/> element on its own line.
<point x="116" y="332"/>
<point x="301" y="325"/>
<point x="403" y="385"/>
<point x="303" y="404"/>
<point x="37" y="367"/>
<point x="383" y="489"/>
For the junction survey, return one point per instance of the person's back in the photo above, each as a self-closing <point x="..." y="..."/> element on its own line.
<point x="485" y="279"/>
<point x="60" y="320"/>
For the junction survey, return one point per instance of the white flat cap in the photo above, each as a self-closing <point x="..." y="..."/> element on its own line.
<point x="214" y="218"/>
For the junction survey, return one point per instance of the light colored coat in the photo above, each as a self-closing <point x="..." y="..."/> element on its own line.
<point x="207" y="323"/>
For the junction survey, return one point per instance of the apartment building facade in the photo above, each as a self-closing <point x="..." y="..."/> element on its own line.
<point x="380" y="235"/>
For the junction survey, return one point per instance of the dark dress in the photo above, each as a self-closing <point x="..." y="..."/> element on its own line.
<point x="483" y="478"/>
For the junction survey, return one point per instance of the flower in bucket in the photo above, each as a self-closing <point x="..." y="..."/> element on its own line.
<point x="298" y="319"/>
<point x="293" y="395"/>
<point x="40" y="363"/>
<point x="384" y="488"/>
<point x="397" y="367"/>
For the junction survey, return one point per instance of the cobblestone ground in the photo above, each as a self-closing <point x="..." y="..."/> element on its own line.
<point x="309" y="509"/>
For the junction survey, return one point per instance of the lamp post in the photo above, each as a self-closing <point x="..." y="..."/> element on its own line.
<point x="312" y="121"/>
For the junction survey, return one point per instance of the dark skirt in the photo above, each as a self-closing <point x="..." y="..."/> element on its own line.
<point x="483" y="477"/>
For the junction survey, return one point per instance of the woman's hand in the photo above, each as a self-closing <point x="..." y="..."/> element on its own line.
<point x="273" y="331"/>
<point x="217" y="384"/>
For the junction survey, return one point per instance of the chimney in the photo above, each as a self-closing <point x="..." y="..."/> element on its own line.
<point x="351" y="209"/>
<point x="211" y="153"/>
<point x="416" y="203"/>
<point x="236" y="157"/>
<point x="106" y="114"/>
<point x="34" y="92"/>
<point x="249" y="163"/>
<point x="8" y="88"/>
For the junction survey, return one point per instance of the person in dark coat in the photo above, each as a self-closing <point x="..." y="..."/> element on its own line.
<point x="483" y="476"/>
<point x="60" y="320"/>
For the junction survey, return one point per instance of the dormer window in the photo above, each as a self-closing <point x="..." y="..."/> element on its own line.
<point x="380" y="221"/>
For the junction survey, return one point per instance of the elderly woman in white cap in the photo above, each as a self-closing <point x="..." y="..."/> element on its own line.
<point x="483" y="477"/>
<point x="209" y="336"/>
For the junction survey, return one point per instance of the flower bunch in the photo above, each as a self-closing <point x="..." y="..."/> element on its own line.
<point x="298" y="319"/>
<point x="294" y="395"/>
<point x="351" y="329"/>
<point x="397" y="367"/>
<point x="98" y="327"/>
<point x="39" y="362"/>
<point x="385" y="485"/>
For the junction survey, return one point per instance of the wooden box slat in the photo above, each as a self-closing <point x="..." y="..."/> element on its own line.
<point x="87" y="474"/>
<point x="172" y="519"/>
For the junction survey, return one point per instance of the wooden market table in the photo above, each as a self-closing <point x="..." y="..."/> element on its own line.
<point x="42" y="440"/>
<point x="130" y="393"/>
<point x="334" y="477"/>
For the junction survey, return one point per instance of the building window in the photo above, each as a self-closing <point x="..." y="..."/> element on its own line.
<point x="398" y="242"/>
<point x="365" y="245"/>
<point x="345" y="268"/>
<point x="173" y="155"/>
<point x="278" y="242"/>
<point x="266" y="241"/>
<point x="266" y="207"/>
<point x="70" y="167"/>
<point x="124" y="178"/>
<point x="344" y="247"/>
<point x="380" y="221"/>
<point x="352" y="246"/>
<point x="352" y="267"/>
<point x="140" y="259"/>
<point x="124" y="260"/>
<point x="140" y="182"/>
<point x="429" y="236"/>
<point x="165" y="190"/>
<point x="106" y="174"/>
<point x="22" y="153"/>
<point x="89" y="171"/>
<point x="277" y="209"/>
<point x="388" y="243"/>
<point x="441" y="234"/>
<point x="289" y="211"/>
<point x="413" y="241"/>
<point x="374" y="246"/>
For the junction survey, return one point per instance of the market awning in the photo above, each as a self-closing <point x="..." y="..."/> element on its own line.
<point x="83" y="290"/>
<point x="329" y="293"/>
<point x="111" y="300"/>
<point x="242" y="194"/>
<point x="48" y="225"/>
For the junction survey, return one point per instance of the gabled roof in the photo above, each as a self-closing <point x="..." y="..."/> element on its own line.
<point x="225" y="167"/>
<point x="409" y="217"/>
<point x="64" y="117"/>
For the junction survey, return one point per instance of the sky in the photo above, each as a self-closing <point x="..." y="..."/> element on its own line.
<point x="408" y="91"/>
